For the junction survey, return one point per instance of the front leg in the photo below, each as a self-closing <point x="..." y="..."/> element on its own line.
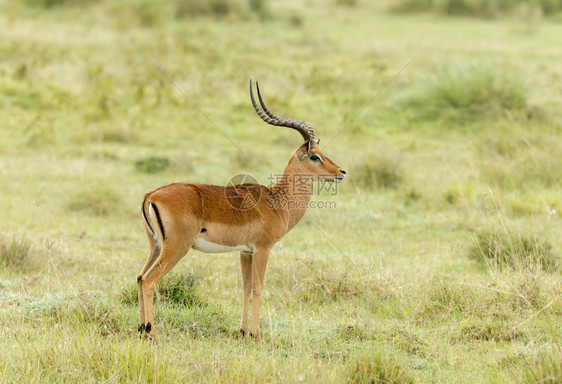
<point x="246" y="266"/>
<point x="259" y="263"/>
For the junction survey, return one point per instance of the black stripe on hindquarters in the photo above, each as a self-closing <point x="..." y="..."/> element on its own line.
<point x="144" y="214"/>
<point x="159" y="220"/>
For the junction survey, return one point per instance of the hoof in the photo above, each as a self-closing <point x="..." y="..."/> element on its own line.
<point x="139" y="277"/>
<point x="141" y="328"/>
<point x="243" y="333"/>
<point x="148" y="327"/>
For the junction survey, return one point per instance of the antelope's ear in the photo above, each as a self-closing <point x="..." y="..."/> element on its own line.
<point x="311" y="144"/>
<point x="302" y="153"/>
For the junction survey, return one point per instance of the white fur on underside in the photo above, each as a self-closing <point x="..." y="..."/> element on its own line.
<point x="208" y="247"/>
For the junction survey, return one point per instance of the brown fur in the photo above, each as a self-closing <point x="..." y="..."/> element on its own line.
<point x="185" y="209"/>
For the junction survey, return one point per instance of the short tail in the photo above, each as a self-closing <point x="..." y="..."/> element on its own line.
<point x="154" y="208"/>
<point x="145" y="217"/>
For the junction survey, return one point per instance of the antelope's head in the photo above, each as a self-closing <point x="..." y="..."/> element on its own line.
<point x="308" y="159"/>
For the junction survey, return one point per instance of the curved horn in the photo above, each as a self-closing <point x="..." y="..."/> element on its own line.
<point x="269" y="117"/>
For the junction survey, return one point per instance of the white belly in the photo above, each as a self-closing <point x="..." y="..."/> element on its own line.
<point x="208" y="247"/>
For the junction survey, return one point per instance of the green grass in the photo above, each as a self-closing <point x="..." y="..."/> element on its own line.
<point x="382" y="171"/>
<point x="447" y="228"/>
<point x="513" y="248"/>
<point x="471" y="94"/>
<point x="544" y="367"/>
<point x="14" y="250"/>
<point x="378" y="369"/>
<point x="478" y="8"/>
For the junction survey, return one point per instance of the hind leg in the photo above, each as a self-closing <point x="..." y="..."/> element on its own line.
<point x="154" y="252"/>
<point x="172" y="252"/>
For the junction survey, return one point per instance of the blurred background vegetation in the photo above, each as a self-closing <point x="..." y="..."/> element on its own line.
<point x="450" y="215"/>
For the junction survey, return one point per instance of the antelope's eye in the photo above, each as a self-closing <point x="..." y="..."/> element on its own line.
<point x="314" y="158"/>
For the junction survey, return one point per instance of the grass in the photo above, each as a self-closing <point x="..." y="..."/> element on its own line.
<point x="544" y="367"/>
<point x="14" y="250"/>
<point x="439" y="263"/>
<point x="512" y="248"/>
<point x="383" y="171"/>
<point x="152" y="164"/>
<point x="174" y="289"/>
<point x="470" y="94"/>
<point x="378" y="369"/>
<point x="477" y="8"/>
<point x="520" y="160"/>
<point x="98" y="201"/>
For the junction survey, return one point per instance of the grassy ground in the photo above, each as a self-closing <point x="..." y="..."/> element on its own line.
<point x="440" y="263"/>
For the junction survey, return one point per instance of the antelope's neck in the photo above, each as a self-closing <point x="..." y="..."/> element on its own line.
<point x="293" y="192"/>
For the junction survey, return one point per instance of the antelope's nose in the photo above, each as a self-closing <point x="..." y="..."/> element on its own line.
<point x="343" y="172"/>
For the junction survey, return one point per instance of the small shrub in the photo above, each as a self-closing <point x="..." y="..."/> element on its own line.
<point x="469" y="94"/>
<point x="100" y="201"/>
<point x="180" y="289"/>
<point x="407" y="6"/>
<point x="152" y="164"/>
<point x="379" y="369"/>
<point x="383" y="172"/>
<point x="194" y="8"/>
<point x="511" y="248"/>
<point x="57" y="3"/>
<point x="474" y="8"/>
<point x="347" y="3"/>
<point x="14" y="250"/>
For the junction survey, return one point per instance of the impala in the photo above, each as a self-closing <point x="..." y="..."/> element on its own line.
<point x="216" y="219"/>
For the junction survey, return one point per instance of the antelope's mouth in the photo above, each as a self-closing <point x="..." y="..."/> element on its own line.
<point x="338" y="179"/>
